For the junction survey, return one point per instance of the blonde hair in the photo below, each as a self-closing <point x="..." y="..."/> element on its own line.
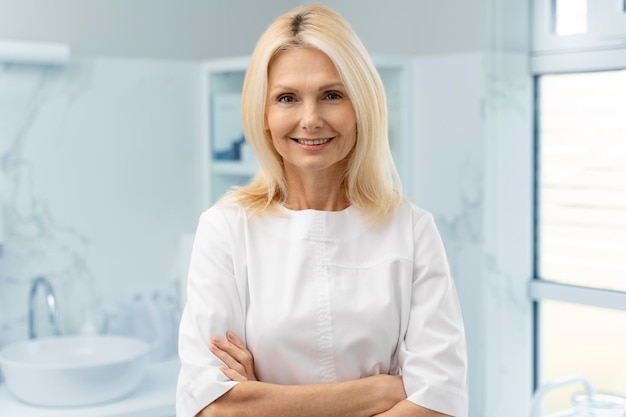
<point x="371" y="181"/>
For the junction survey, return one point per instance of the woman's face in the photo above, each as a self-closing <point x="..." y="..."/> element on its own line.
<point x="308" y="114"/>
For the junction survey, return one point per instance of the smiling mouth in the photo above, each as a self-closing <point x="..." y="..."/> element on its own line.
<point x="311" y="142"/>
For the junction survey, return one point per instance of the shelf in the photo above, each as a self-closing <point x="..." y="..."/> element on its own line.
<point x="234" y="168"/>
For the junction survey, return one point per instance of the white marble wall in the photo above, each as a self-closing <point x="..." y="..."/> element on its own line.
<point x="472" y="168"/>
<point x="507" y="370"/>
<point x="99" y="176"/>
<point x="447" y="174"/>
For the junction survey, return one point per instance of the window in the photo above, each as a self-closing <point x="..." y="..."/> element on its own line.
<point x="582" y="177"/>
<point x="570" y="17"/>
<point x="581" y="228"/>
<point x="580" y="239"/>
<point x="578" y="35"/>
<point x="577" y="339"/>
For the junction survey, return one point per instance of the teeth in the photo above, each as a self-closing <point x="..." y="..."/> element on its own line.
<point x="313" y="142"/>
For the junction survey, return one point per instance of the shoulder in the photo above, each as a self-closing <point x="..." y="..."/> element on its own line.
<point x="224" y="209"/>
<point x="407" y="220"/>
<point x="410" y="213"/>
<point x="234" y="217"/>
<point x="223" y="218"/>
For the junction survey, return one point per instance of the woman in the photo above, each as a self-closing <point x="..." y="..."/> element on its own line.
<point x="317" y="289"/>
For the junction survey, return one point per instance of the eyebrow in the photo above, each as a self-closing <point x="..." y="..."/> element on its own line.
<point x="324" y="87"/>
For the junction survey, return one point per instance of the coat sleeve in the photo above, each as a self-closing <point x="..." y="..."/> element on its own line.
<point x="213" y="307"/>
<point x="433" y="355"/>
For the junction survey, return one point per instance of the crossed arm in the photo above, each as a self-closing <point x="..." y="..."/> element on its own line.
<point x="376" y="396"/>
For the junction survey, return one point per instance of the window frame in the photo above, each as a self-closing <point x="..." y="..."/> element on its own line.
<point x="606" y="29"/>
<point x="521" y="46"/>
<point x="602" y="48"/>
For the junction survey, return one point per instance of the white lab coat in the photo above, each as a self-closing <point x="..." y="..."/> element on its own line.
<point x="322" y="297"/>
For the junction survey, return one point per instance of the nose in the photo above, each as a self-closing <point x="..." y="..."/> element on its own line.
<point x="311" y="118"/>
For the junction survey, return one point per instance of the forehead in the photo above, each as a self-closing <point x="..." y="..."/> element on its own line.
<point x="301" y="62"/>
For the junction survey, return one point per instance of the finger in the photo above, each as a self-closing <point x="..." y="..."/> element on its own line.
<point x="232" y="374"/>
<point x="236" y="350"/>
<point x="240" y="354"/>
<point x="234" y="339"/>
<point x="227" y="359"/>
<point x="245" y="357"/>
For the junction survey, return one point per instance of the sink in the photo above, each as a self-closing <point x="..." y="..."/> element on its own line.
<point x="74" y="370"/>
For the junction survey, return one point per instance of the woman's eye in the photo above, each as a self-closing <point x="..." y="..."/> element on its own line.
<point x="285" y="99"/>
<point x="333" y="96"/>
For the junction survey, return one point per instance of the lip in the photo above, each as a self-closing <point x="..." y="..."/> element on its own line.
<point x="328" y="139"/>
<point x="313" y="147"/>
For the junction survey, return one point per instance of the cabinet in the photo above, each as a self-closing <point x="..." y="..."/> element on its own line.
<point x="229" y="160"/>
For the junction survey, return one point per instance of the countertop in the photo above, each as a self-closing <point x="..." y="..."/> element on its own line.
<point x="155" y="397"/>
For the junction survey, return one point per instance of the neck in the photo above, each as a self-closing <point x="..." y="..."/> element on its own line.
<point x="322" y="204"/>
<point x="315" y="194"/>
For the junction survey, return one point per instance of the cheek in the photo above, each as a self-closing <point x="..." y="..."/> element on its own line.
<point x="275" y="139"/>
<point x="348" y="124"/>
<point x="275" y="124"/>
<point x="346" y="119"/>
<point x="352" y="129"/>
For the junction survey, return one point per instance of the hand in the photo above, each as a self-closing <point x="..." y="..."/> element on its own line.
<point x="390" y="388"/>
<point x="407" y="408"/>
<point x="238" y="361"/>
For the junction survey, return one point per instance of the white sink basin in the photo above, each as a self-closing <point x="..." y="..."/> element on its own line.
<point x="74" y="370"/>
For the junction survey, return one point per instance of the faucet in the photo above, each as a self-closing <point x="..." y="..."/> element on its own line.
<point x="550" y="385"/>
<point x="50" y="302"/>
